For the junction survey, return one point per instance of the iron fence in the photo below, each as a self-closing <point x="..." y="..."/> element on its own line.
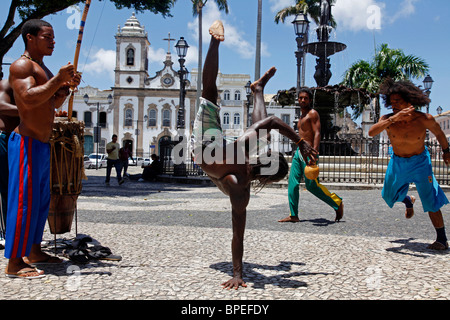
<point x="351" y="160"/>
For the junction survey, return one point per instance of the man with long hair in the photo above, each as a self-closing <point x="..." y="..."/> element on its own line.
<point x="229" y="164"/>
<point x="410" y="162"/>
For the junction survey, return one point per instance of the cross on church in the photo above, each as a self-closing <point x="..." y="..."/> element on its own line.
<point x="168" y="39"/>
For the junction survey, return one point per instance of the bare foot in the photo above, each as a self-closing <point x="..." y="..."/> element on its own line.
<point x="17" y="268"/>
<point x="290" y="219"/>
<point x="37" y="256"/>
<point x="339" y="212"/>
<point x="410" y="211"/>
<point x="261" y="82"/>
<point x="235" y="283"/>
<point x="217" y="30"/>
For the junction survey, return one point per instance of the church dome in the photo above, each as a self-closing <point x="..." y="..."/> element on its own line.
<point x="133" y="27"/>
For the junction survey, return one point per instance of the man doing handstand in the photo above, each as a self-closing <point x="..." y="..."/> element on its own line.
<point x="232" y="176"/>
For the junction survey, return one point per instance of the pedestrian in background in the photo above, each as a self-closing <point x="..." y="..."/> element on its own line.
<point x="112" y="148"/>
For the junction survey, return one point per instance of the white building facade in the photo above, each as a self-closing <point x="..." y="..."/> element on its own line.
<point x="145" y="108"/>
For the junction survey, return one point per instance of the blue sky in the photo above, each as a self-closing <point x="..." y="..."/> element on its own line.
<point x="418" y="27"/>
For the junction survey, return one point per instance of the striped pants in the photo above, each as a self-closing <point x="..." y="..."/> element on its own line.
<point x="296" y="175"/>
<point x="28" y="194"/>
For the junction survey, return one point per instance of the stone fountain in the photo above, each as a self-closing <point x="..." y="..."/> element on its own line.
<point x="327" y="100"/>
<point x="323" y="48"/>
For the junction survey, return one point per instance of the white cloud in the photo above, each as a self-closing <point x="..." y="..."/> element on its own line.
<point x="103" y="62"/>
<point x="357" y="15"/>
<point x="277" y="5"/>
<point x="156" y="55"/>
<point x="407" y="8"/>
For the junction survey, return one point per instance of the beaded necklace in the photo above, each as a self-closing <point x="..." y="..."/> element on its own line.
<point x="30" y="58"/>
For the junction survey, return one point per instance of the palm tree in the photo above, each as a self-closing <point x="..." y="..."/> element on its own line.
<point x="311" y="7"/>
<point x="386" y="63"/>
<point x="197" y="10"/>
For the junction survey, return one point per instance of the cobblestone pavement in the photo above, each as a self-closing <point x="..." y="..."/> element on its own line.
<point x="175" y="243"/>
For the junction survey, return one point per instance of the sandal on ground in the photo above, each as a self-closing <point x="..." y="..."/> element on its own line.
<point x="77" y="255"/>
<point x="26" y="274"/>
<point x="102" y="253"/>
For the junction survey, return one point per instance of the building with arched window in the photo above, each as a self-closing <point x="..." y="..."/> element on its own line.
<point x="145" y="106"/>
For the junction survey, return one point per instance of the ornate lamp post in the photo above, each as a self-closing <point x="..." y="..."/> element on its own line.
<point x="182" y="48"/>
<point x="427" y="84"/>
<point x="301" y="27"/>
<point x="97" y="129"/>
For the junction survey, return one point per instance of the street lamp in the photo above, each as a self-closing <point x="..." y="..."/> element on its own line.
<point x="427" y="84"/>
<point x="248" y="91"/>
<point x="182" y="48"/>
<point x="97" y="129"/>
<point x="301" y="27"/>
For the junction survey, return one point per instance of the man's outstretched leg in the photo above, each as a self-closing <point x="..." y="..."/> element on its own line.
<point x="257" y="87"/>
<point x="211" y="65"/>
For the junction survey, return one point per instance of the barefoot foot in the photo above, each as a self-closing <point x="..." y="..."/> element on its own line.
<point x="290" y="219"/>
<point x="339" y="212"/>
<point x="410" y="211"/>
<point x="217" y="30"/>
<point x="261" y="82"/>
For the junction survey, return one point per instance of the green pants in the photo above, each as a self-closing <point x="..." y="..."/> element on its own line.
<point x="295" y="177"/>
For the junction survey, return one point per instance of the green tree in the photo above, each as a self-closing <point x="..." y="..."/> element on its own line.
<point x="38" y="9"/>
<point x="386" y="63"/>
<point x="311" y="7"/>
<point x="197" y="11"/>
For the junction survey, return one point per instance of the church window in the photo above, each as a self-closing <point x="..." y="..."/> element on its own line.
<point x="152" y="118"/>
<point x="237" y="95"/>
<point x="226" y="95"/>
<point x="130" y="57"/>
<point x="166" y="118"/>
<point x="102" y="120"/>
<point x="88" y="119"/>
<point x="128" y="117"/>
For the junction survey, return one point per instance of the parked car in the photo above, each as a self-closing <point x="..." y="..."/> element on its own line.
<point x="146" y="162"/>
<point x="138" y="161"/>
<point x="96" y="158"/>
<point x="87" y="162"/>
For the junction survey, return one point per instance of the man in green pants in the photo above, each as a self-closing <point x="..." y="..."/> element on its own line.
<point x="309" y="129"/>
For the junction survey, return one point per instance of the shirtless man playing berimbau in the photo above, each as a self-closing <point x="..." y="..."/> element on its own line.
<point x="407" y="129"/>
<point x="37" y="94"/>
<point x="232" y="176"/>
